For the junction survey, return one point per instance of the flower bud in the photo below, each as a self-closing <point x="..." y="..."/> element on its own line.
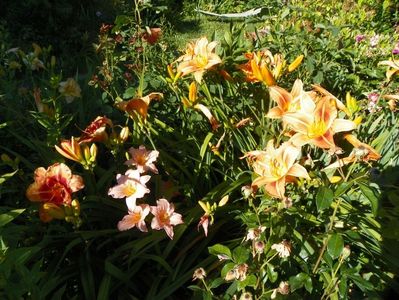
<point x="124" y="134"/>
<point x="54" y="210"/>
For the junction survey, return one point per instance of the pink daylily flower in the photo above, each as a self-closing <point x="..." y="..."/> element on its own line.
<point x="143" y="159"/>
<point x="135" y="218"/>
<point x="131" y="185"/>
<point x="165" y="217"/>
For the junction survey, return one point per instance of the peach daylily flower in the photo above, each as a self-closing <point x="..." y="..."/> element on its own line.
<point x="135" y="218"/>
<point x="96" y="131"/>
<point x="69" y="89"/>
<point x="54" y="185"/>
<point x="131" y="185"/>
<point x="318" y="127"/>
<point x="143" y="159"/>
<point x="297" y="100"/>
<point x="139" y="106"/>
<point x="165" y="217"/>
<point x="360" y="152"/>
<point x="276" y="167"/>
<point x="199" y="57"/>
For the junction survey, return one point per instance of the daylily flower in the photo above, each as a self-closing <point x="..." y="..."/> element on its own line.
<point x="360" y="152"/>
<point x="71" y="150"/>
<point x="96" y="131"/>
<point x="208" y="217"/>
<point x="135" y="218"/>
<point x="393" y="67"/>
<point x="318" y="127"/>
<point x="152" y="35"/>
<point x="297" y="100"/>
<point x="143" y="159"/>
<point x="54" y="185"/>
<point x="131" y="185"/>
<point x="256" y="69"/>
<point x="275" y="167"/>
<point x="192" y="101"/>
<point x="69" y="89"/>
<point x="165" y="217"/>
<point x="199" y="57"/>
<point x="139" y="106"/>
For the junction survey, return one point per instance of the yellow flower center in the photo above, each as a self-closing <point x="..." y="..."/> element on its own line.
<point x="136" y="217"/>
<point x="163" y="217"/>
<point x="201" y="61"/>
<point x="129" y="190"/>
<point x="277" y="168"/>
<point x="318" y="128"/>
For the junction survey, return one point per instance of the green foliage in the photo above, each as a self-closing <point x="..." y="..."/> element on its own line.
<point x="330" y="234"/>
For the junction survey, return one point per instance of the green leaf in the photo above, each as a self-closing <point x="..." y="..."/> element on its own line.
<point x="205" y="144"/>
<point x="271" y="274"/>
<point x="219" y="249"/>
<point x="9" y="216"/>
<point x="371" y="195"/>
<point x="240" y="255"/>
<point x="249" y="281"/>
<point x="298" y="281"/>
<point x="335" y="245"/>
<point x="129" y="93"/>
<point x="342" y="188"/>
<point x="309" y="284"/>
<point x="361" y="283"/>
<point x="324" y="198"/>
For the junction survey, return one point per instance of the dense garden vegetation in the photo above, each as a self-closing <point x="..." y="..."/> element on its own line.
<point x="199" y="149"/>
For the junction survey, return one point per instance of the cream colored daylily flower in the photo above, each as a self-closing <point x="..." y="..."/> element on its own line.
<point x="276" y="167"/>
<point x="70" y="89"/>
<point x="319" y="127"/>
<point x="297" y="100"/>
<point x="199" y="57"/>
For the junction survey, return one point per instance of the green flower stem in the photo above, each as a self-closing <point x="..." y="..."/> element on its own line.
<point x="206" y="286"/>
<point x="323" y="249"/>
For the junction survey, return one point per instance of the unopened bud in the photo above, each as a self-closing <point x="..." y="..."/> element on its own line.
<point x="54" y="211"/>
<point x="124" y="134"/>
<point x="75" y="207"/>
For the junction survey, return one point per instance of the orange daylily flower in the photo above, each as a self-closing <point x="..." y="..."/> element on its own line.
<point x="139" y="106"/>
<point x="341" y="106"/>
<point x="152" y="35"/>
<point x="297" y="100"/>
<point x="360" y="152"/>
<point x="318" y="127"/>
<point x="276" y="167"/>
<point x="199" y="57"/>
<point x="256" y="69"/>
<point x="96" y="131"/>
<point x="71" y="150"/>
<point x="54" y="185"/>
